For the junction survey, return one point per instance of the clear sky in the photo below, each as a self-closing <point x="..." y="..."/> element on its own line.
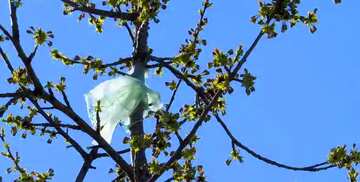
<point x="306" y="99"/>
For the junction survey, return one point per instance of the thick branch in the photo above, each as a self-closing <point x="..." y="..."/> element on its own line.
<point x="14" y="23"/>
<point x="5" y="95"/>
<point x="87" y="165"/>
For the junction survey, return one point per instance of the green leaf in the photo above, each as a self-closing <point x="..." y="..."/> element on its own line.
<point x="171" y="85"/>
<point x="40" y="37"/>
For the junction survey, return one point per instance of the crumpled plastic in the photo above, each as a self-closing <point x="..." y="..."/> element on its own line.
<point x="119" y="98"/>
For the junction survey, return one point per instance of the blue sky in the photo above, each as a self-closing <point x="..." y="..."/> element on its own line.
<point x="306" y="99"/>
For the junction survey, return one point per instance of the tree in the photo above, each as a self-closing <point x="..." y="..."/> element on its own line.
<point x="154" y="153"/>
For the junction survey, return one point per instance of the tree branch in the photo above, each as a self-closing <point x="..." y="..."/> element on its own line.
<point x="87" y="165"/>
<point x="177" y="154"/>
<point x="110" y="14"/>
<point x="180" y="75"/>
<point x="6" y="59"/>
<point x="101" y="155"/>
<point x="120" y="61"/>
<point x="41" y="93"/>
<point x="91" y="132"/>
<point x="128" y="28"/>
<point x="67" y="126"/>
<point x="66" y="100"/>
<point x="14" y="23"/>
<point x="312" y="168"/>
<point x="67" y="137"/>
<point x="173" y="95"/>
<point x="187" y="140"/>
<point x="33" y="53"/>
<point x="4" y="95"/>
<point x="5" y="107"/>
<point x="13" y="158"/>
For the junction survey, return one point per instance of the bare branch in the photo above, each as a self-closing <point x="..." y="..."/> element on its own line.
<point x="68" y="126"/>
<point x="6" y="59"/>
<point x="128" y="28"/>
<point x="5" y="107"/>
<point x="33" y="53"/>
<point x="67" y="137"/>
<point x="169" y="106"/>
<point x="131" y="34"/>
<point x="312" y="168"/>
<point x="14" y="23"/>
<point x="100" y="155"/>
<point x="118" y="62"/>
<point x="173" y="95"/>
<point x="7" y="33"/>
<point x="87" y="165"/>
<point x="47" y="108"/>
<point x="65" y="99"/>
<point x="4" y="95"/>
<point x="246" y="55"/>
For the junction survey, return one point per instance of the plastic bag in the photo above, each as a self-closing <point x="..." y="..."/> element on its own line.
<point x="119" y="98"/>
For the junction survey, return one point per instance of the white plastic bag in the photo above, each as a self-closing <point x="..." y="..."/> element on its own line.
<point x="118" y="98"/>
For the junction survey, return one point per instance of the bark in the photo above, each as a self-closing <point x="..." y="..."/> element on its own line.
<point x="136" y="119"/>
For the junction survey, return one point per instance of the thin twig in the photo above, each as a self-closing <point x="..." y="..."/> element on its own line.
<point x="47" y="108"/>
<point x="68" y="138"/>
<point x="6" y="59"/>
<point x="172" y="99"/>
<point x="110" y="14"/>
<point x="312" y="168"/>
<point x="70" y="126"/>
<point x="13" y="158"/>
<point x="118" y="62"/>
<point x="100" y="155"/>
<point x="65" y="98"/>
<point x="130" y="32"/>
<point x="5" y="107"/>
<point x="33" y="53"/>
<point x="173" y="95"/>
